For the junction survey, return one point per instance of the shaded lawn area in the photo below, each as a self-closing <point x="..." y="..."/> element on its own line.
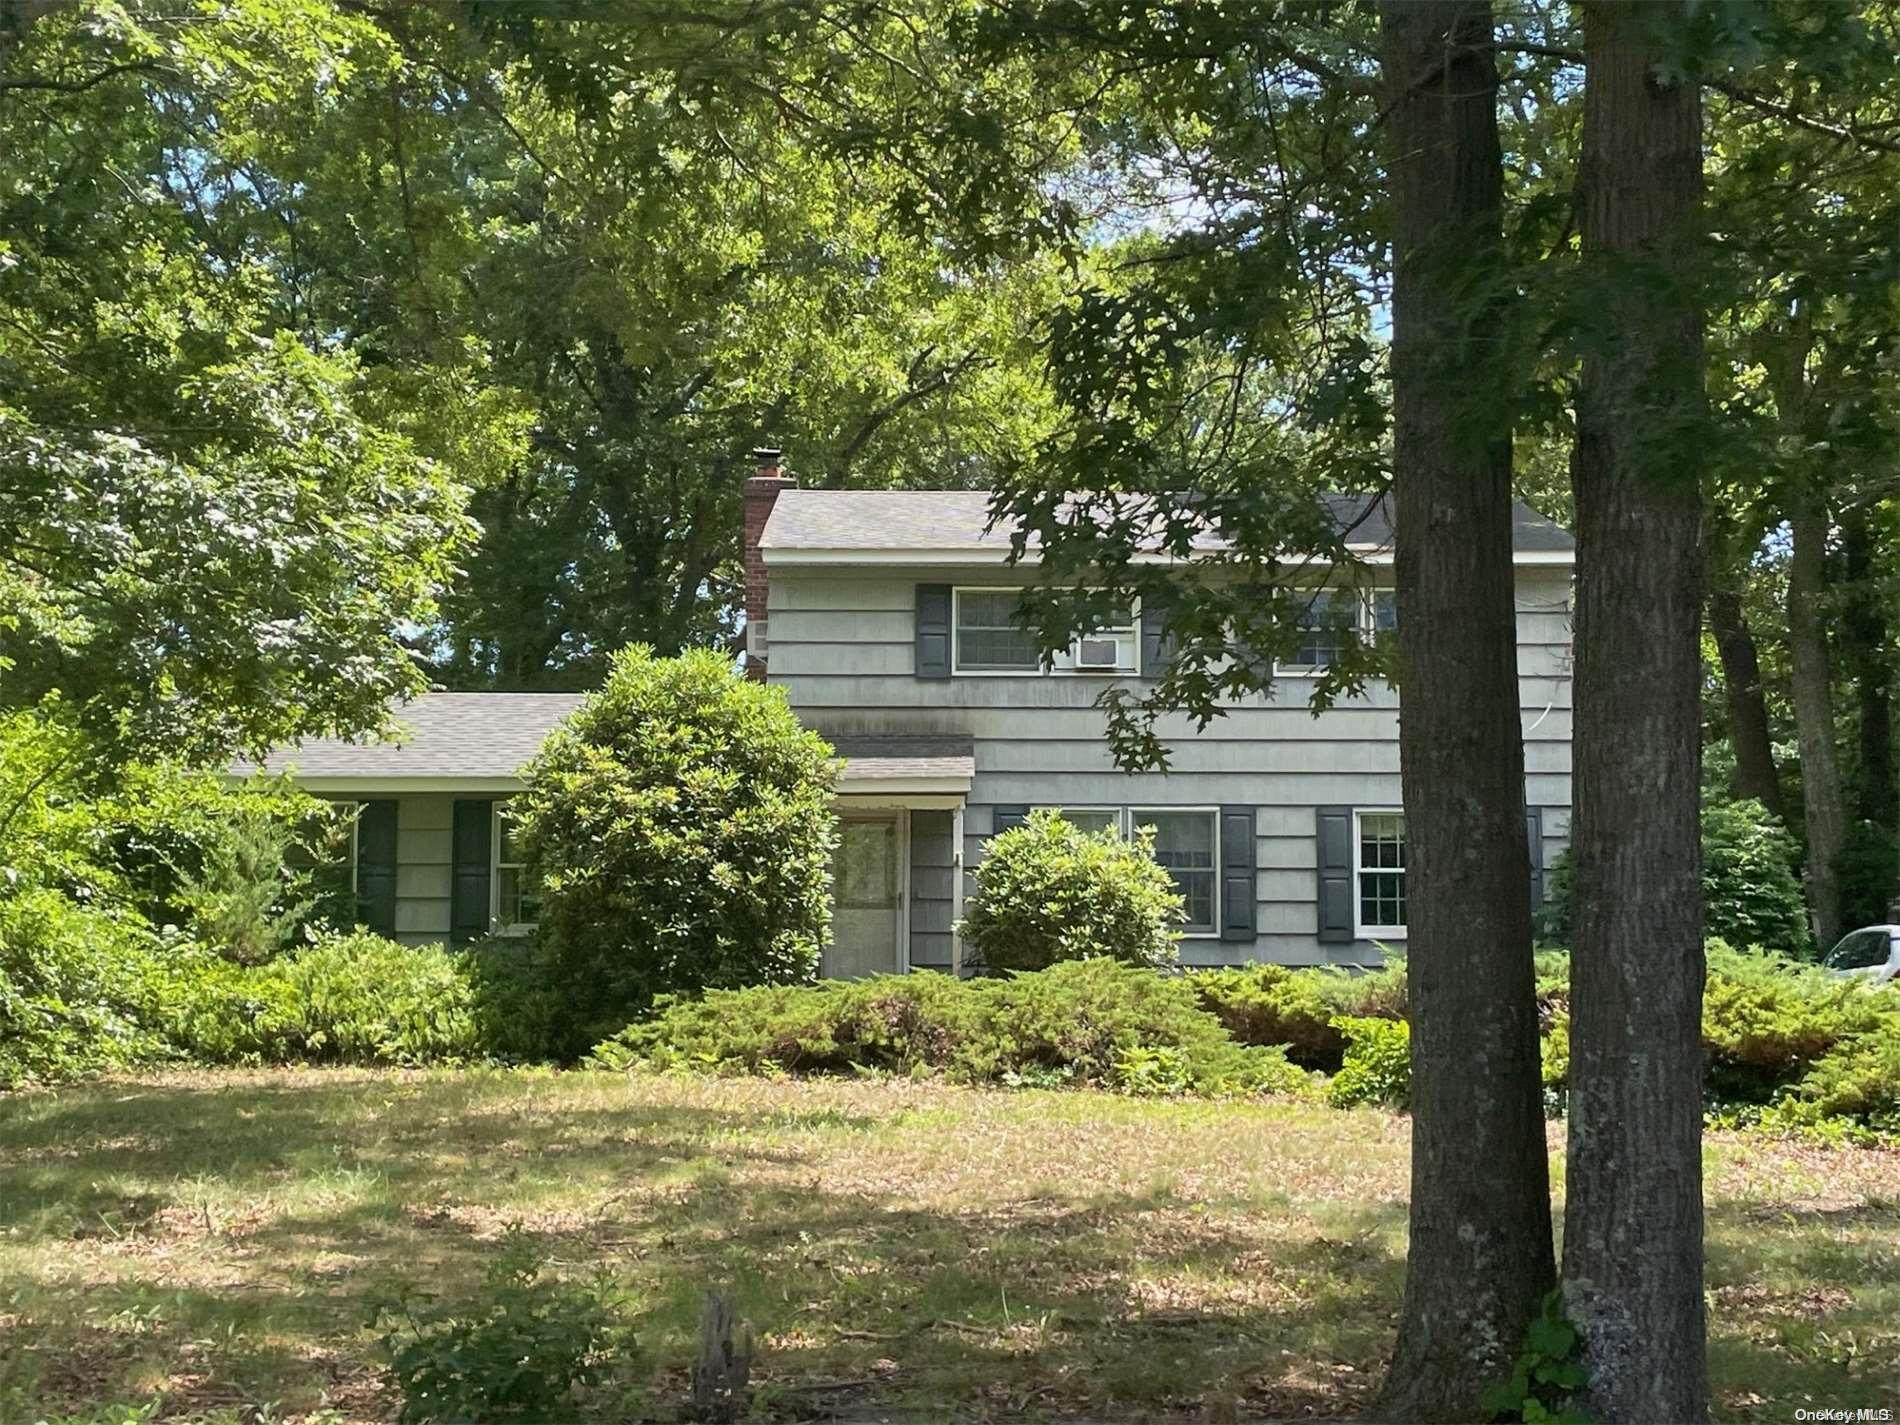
<point x="216" y="1241"/>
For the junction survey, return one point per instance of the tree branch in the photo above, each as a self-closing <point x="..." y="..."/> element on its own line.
<point x="80" y="86"/>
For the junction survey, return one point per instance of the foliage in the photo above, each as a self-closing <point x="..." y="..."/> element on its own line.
<point x="519" y="1351"/>
<point x="1378" y="1063"/>
<point x="1548" y="1376"/>
<point x="247" y="895"/>
<point x="76" y="988"/>
<point x="1278" y="1004"/>
<point x="1767" y="1021"/>
<point x="1088" y="1021"/>
<point x="1856" y="1085"/>
<point x="682" y="822"/>
<point x="515" y="1006"/>
<point x="1048" y="891"/>
<point x="1869" y="871"/>
<point x="1751" y="894"/>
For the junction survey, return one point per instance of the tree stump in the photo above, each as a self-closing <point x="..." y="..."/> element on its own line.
<point x="725" y="1361"/>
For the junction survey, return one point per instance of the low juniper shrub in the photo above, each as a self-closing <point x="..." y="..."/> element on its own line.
<point x="1378" y="1063"/>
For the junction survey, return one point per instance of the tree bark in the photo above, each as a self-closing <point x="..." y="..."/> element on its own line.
<point x="1633" y="1255"/>
<point x="1864" y="636"/>
<point x="1480" y="1258"/>
<point x="1823" y="800"/>
<point x="1755" y="774"/>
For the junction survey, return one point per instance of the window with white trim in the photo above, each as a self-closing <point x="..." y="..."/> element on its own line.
<point x="1379" y="875"/>
<point x="988" y="636"/>
<point x="1187" y="846"/>
<point x="517" y="904"/>
<point x="1334" y="619"/>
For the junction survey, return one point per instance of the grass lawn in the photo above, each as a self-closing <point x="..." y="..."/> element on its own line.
<point x="215" y="1241"/>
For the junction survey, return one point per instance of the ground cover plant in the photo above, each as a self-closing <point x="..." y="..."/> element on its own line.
<point x="217" y="1242"/>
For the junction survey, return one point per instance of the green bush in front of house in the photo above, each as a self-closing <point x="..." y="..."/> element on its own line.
<point x="681" y="824"/>
<point x="1300" y="1008"/>
<point x="1080" y="1022"/>
<point x="1048" y="892"/>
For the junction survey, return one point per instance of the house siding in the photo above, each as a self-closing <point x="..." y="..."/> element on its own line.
<point x="932" y="882"/>
<point x="842" y="647"/>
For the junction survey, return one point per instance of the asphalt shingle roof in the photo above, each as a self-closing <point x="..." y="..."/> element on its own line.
<point x="954" y="520"/>
<point x="444" y="735"/>
<point x="882" y="757"/>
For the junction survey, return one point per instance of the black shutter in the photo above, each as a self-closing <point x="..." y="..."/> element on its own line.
<point x="1534" y="826"/>
<point x="376" y="866"/>
<point x="1238" y="859"/>
<point x="1003" y="818"/>
<point x="933" y="630"/>
<point x="468" y="897"/>
<point x="1334" y="838"/>
<point x="1157" y="649"/>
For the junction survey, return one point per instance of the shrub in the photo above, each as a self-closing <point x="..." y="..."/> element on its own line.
<point x="1297" y="1008"/>
<point x="1751" y="894"/>
<point x="1766" y="1020"/>
<point x="1378" y="1064"/>
<point x="519" y="1351"/>
<point x="1857" y="1083"/>
<point x="1048" y="892"/>
<point x="1869" y="870"/>
<point x="1093" y="1021"/>
<point x="78" y="989"/>
<point x="361" y="999"/>
<point x="681" y="822"/>
<point x="515" y="1009"/>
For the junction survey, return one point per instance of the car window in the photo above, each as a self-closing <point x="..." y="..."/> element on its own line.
<point x="1860" y="951"/>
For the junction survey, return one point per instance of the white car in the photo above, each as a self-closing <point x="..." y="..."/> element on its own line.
<point x="1872" y="954"/>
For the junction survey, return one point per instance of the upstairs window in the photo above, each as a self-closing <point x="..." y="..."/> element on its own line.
<point x="989" y="637"/>
<point x="1334" y="619"/>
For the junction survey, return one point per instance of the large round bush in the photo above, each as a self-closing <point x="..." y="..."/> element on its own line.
<point x="681" y="821"/>
<point x="1751" y="893"/>
<point x="1048" y="892"/>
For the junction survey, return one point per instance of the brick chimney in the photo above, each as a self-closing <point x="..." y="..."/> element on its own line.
<point x="762" y="489"/>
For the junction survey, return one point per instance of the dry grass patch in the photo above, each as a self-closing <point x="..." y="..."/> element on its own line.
<point x="216" y="1241"/>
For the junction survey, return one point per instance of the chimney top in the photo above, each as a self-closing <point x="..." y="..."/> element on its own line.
<point x="770" y="460"/>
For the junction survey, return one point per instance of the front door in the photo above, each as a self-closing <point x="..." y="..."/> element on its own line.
<point x="867" y="907"/>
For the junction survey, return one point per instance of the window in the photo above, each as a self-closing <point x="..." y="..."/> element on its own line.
<point x="1335" y="619"/>
<point x="1328" y="626"/>
<point x="989" y="637"/>
<point x="1186" y="845"/>
<point x="1379" y="875"/>
<point x="517" y="906"/>
<point x="1863" y="950"/>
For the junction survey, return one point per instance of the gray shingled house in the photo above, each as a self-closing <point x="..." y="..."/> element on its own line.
<point x="887" y="618"/>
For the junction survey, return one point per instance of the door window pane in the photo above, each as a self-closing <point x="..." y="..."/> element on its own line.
<point x="867" y="864"/>
<point x="1184" y="844"/>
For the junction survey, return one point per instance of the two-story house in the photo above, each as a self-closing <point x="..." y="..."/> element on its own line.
<point x="888" y="619"/>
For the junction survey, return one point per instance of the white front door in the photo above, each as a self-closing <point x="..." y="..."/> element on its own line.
<point x="867" y="897"/>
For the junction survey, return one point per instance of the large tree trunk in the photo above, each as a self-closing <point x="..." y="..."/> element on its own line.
<point x="1864" y="639"/>
<point x="1823" y="802"/>
<point x="1480" y="1257"/>
<point x="1633" y="1219"/>
<point x="1755" y="774"/>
